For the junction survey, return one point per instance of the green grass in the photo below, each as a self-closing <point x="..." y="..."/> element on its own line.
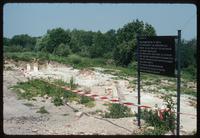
<point x="74" y="60"/>
<point x="184" y="90"/>
<point x="87" y="101"/>
<point x="118" y="111"/>
<point x="60" y="82"/>
<point x="84" y="62"/>
<point x="38" y="87"/>
<point x="189" y="91"/>
<point x="42" y="110"/>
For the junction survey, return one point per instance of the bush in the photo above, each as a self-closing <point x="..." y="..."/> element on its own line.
<point x="57" y="101"/>
<point x="118" y="111"/>
<point x="75" y="59"/>
<point x="161" y="126"/>
<point x="190" y="73"/>
<point x="87" y="101"/>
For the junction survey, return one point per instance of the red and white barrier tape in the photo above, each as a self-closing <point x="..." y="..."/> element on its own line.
<point x="113" y="100"/>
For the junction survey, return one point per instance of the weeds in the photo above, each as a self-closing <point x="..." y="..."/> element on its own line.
<point x="71" y="83"/>
<point x="42" y="110"/>
<point x="33" y="88"/>
<point x="87" y="101"/>
<point x="57" y="101"/>
<point x="161" y="125"/>
<point x="118" y="111"/>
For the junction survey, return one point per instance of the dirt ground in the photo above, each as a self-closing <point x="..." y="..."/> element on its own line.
<point x="64" y="120"/>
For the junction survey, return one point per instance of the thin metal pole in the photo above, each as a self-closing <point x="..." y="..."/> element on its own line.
<point x="178" y="82"/>
<point x="138" y="59"/>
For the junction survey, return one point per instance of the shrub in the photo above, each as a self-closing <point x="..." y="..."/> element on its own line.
<point x="58" y="101"/>
<point x="74" y="59"/>
<point x="161" y="126"/>
<point x="118" y="111"/>
<point x="87" y="101"/>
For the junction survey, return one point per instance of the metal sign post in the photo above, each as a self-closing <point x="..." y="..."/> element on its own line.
<point x="156" y="55"/>
<point x="178" y="82"/>
<point x="138" y="58"/>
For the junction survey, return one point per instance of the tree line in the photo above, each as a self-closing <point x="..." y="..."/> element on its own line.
<point x="119" y="46"/>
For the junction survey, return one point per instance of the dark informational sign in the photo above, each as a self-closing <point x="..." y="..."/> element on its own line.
<point x="157" y="55"/>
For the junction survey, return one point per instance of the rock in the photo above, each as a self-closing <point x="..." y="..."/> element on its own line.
<point x="183" y="132"/>
<point x="46" y="96"/>
<point x="150" y="128"/>
<point x="190" y="85"/>
<point x="79" y="114"/>
<point x="99" y="113"/>
<point x="162" y="90"/>
<point x="152" y="88"/>
<point x="81" y="133"/>
<point x="34" y="130"/>
<point x="22" y="91"/>
<point x="42" y="100"/>
<point x="165" y="81"/>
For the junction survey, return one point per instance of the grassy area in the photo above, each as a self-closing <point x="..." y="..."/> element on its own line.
<point x="83" y="62"/>
<point x="118" y="111"/>
<point x="75" y="60"/>
<point x="37" y="87"/>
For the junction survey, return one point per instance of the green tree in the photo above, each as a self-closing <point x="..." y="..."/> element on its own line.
<point x="81" y="41"/>
<point x="62" y="50"/>
<point x="24" y="40"/>
<point x="110" y="43"/>
<point x="149" y="30"/>
<point x="6" y="41"/>
<point x="188" y="53"/>
<point x="126" y="43"/>
<point x="53" y="39"/>
<point x="99" y="45"/>
<point x="123" y="54"/>
<point x="128" y="31"/>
